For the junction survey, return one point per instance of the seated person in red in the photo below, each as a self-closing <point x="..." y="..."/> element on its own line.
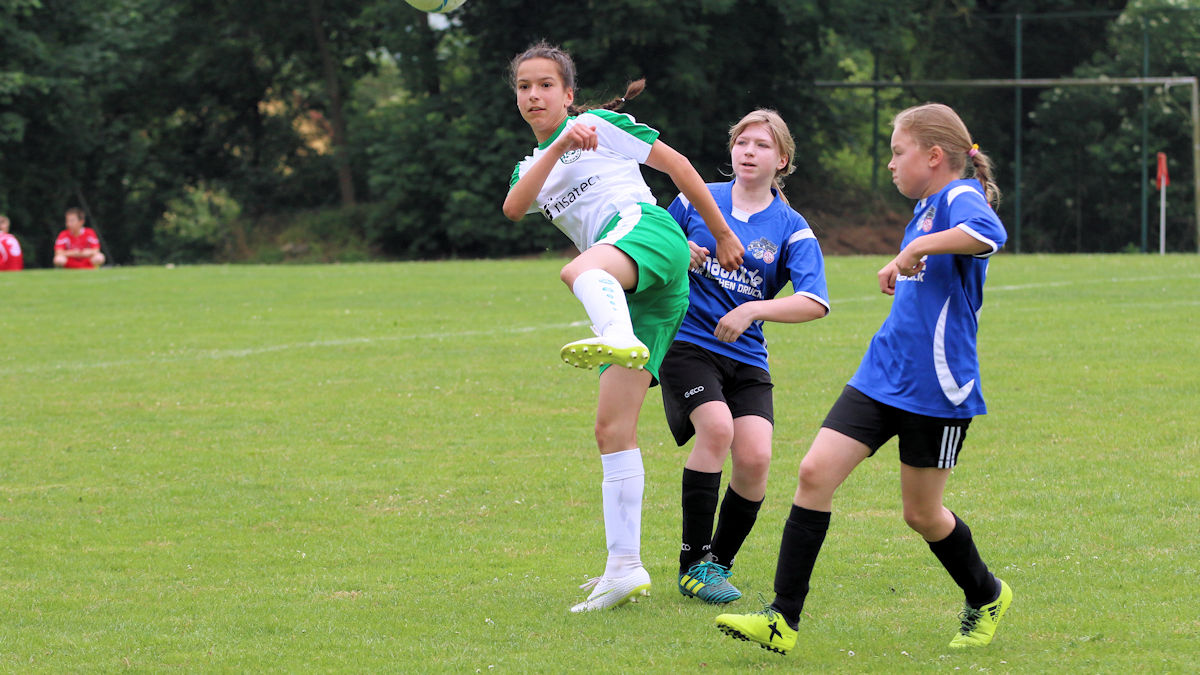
<point x="10" y="249"/>
<point x="77" y="247"/>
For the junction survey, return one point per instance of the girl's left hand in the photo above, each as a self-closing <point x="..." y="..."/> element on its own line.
<point x="730" y="251"/>
<point x="732" y="325"/>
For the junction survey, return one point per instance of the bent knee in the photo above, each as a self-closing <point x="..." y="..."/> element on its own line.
<point x="716" y="433"/>
<point x="923" y="521"/>
<point x="615" y="436"/>
<point x="813" y="478"/>
<point x="567" y="276"/>
<point x="755" y="462"/>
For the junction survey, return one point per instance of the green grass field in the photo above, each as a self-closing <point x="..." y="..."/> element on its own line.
<point x="385" y="468"/>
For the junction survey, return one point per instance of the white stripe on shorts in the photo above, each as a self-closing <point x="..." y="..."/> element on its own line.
<point x="949" y="453"/>
<point x="631" y="215"/>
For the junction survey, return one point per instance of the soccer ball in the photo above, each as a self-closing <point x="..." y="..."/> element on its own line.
<point x="438" y="6"/>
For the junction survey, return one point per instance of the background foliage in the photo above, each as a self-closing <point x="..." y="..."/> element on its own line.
<point x="400" y="130"/>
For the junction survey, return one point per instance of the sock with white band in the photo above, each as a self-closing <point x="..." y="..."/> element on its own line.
<point x="604" y="300"/>
<point x="624" y="483"/>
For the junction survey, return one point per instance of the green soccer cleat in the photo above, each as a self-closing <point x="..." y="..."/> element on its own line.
<point x="627" y="352"/>
<point x="708" y="581"/>
<point x="768" y="628"/>
<point x="979" y="625"/>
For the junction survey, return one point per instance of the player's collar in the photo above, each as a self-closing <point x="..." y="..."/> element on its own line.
<point x="546" y="143"/>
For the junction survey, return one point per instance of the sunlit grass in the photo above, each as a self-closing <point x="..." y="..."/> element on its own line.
<point x="385" y="468"/>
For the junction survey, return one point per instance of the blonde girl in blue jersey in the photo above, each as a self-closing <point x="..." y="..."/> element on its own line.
<point x="919" y="380"/>
<point x="630" y="275"/>
<point x="716" y="383"/>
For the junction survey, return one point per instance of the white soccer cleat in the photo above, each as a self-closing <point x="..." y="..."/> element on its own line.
<point x="627" y="352"/>
<point x="608" y="593"/>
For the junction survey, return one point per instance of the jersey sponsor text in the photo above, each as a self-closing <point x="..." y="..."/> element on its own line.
<point x="560" y="203"/>
<point x="743" y="280"/>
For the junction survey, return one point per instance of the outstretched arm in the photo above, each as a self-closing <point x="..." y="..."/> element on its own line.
<point x="794" y="308"/>
<point x="665" y="159"/>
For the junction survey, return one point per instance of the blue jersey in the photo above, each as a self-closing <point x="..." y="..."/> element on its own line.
<point x="923" y="358"/>
<point x="780" y="247"/>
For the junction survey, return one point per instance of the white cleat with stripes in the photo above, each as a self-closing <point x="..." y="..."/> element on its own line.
<point x="607" y="593"/>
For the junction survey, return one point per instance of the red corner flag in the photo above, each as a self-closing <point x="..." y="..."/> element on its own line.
<point x="1163" y="179"/>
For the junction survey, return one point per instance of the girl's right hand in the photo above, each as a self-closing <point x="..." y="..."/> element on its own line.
<point x="578" y="137"/>
<point x="699" y="255"/>
<point x="903" y="265"/>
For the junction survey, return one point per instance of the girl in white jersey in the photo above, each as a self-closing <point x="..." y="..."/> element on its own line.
<point x="918" y="380"/>
<point x="630" y="275"/>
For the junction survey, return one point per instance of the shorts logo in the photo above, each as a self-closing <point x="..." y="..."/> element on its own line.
<point x="927" y="221"/>
<point x="570" y="156"/>
<point x="763" y="249"/>
<point x="693" y="392"/>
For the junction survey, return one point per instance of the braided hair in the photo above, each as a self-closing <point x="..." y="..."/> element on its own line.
<point x="566" y="69"/>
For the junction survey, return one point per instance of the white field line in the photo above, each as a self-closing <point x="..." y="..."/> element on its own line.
<point x="220" y="354"/>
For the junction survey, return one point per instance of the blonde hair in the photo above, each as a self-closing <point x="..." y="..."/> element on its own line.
<point x="566" y="70"/>
<point x="782" y="137"/>
<point x="935" y="124"/>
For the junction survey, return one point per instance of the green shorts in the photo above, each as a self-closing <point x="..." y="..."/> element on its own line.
<point x="657" y="245"/>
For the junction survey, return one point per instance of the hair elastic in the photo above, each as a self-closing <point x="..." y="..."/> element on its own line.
<point x="974" y="150"/>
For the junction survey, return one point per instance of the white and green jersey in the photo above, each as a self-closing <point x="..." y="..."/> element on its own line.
<point x="586" y="190"/>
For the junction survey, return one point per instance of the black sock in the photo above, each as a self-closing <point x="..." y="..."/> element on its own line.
<point x="803" y="535"/>
<point x="733" y="526"/>
<point x="699" y="507"/>
<point x="958" y="555"/>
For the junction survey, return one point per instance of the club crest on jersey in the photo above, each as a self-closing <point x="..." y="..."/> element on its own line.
<point x="927" y="221"/>
<point x="570" y="156"/>
<point x="763" y="249"/>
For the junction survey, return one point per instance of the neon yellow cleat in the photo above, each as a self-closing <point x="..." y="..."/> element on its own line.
<point x="627" y="352"/>
<point x="979" y="625"/>
<point x="767" y="628"/>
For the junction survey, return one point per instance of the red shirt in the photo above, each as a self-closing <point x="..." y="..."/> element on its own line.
<point x="87" y="239"/>
<point x="10" y="253"/>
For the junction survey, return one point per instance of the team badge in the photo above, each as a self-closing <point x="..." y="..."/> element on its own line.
<point x="570" y="156"/>
<point x="927" y="221"/>
<point x="763" y="249"/>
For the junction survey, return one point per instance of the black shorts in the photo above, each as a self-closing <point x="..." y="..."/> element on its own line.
<point x="691" y="375"/>
<point x="925" y="442"/>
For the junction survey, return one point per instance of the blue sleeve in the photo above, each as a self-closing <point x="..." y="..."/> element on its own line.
<point x="806" y="266"/>
<point x="971" y="213"/>
<point x="678" y="210"/>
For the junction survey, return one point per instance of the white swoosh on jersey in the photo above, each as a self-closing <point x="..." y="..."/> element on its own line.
<point x="950" y="387"/>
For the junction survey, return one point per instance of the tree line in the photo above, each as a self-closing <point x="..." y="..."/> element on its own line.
<point x="186" y="127"/>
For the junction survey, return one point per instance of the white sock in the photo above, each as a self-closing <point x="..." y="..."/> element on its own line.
<point x="624" y="482"/>
<point x="604" y="300"/>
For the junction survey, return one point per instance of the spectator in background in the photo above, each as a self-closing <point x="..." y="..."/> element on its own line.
<point x="77" y="247"/>
<point x="10" y="249"/>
